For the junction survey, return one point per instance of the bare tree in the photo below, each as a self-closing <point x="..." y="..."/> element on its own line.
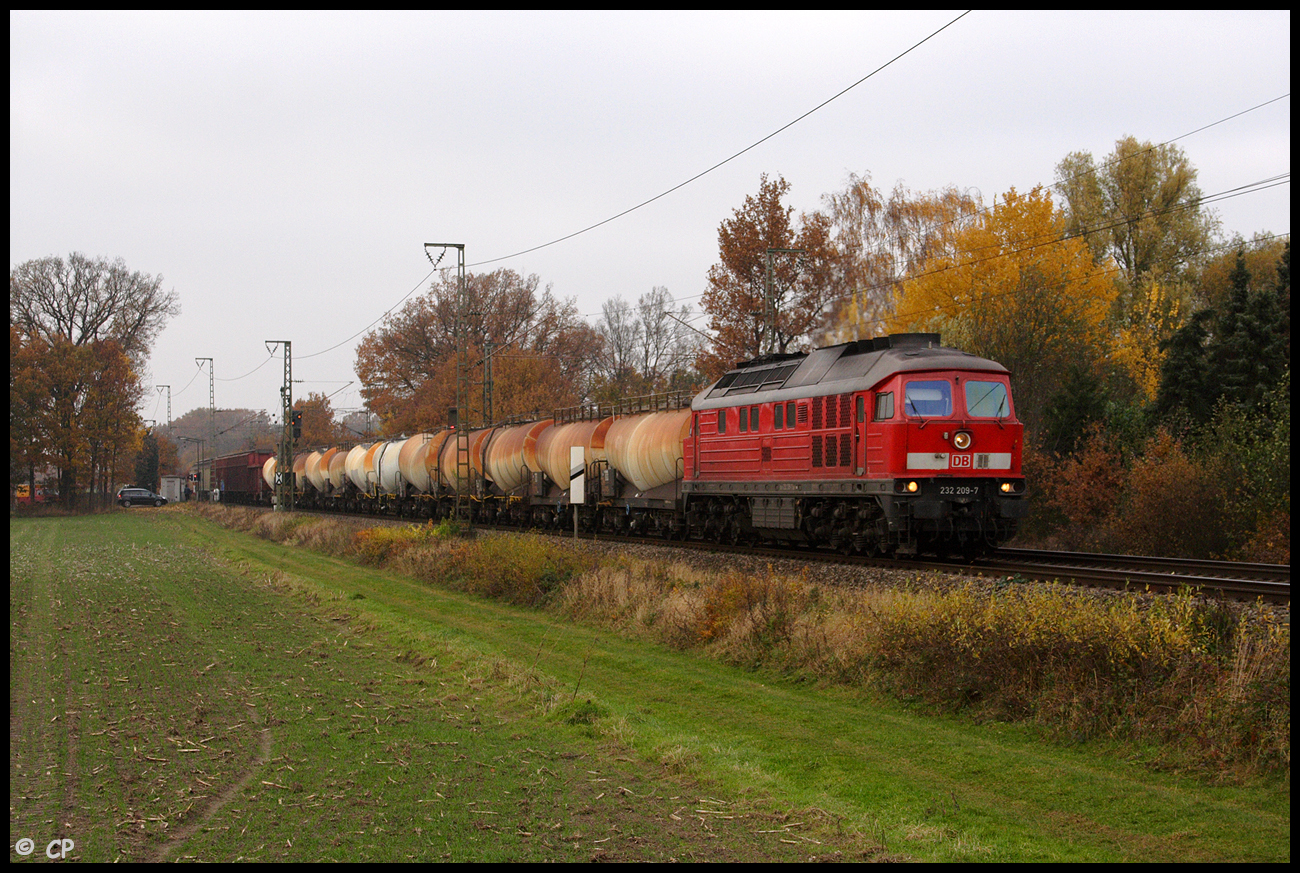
<point x="669" y="345"/>
<point x="87" y="300"/>
<point x="648" y="348"/>
<point x="622" y="331"/>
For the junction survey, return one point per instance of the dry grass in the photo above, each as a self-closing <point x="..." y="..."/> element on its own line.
<point x="1188" y="679"/>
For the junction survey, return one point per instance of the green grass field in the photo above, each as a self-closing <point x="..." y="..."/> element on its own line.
<point x="180" y="691"/>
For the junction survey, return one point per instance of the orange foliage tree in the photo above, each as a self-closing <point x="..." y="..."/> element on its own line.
<point x="318" y="425"/>
<point x="542" y="353"/>
<point x="736" y="296"/>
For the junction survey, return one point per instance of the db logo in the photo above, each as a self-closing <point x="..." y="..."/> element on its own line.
<point x="962" y="461"/>
<point x="55" y="850"/>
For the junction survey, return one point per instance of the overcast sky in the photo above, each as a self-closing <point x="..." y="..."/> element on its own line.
<point x="282" y="171"/>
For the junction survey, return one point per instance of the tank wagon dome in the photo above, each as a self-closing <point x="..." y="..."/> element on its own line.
<point x="327" y="458"/>
<point x="354" y="466"/>
<point x="553" y="446"/>
<point x="387" y="471"/>
<point x="447" y="459"/>
<point x="300" y="470"/>
<point x="512" y="454"/>
<point x="338" y="472"/>
<point x="432" y="454"/>
<point x="839" y="369"/>
<point x="313" y="471"/>
<point x="410" y="460"/>
<point x="647" y="449"/>
<point x="268" y="472"/>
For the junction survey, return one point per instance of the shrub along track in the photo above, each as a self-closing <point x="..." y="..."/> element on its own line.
<point x="1230" y="580"/>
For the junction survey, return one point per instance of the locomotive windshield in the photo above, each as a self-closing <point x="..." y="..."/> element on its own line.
<point x="928" y="399"/>
<point x="987" y="400"/>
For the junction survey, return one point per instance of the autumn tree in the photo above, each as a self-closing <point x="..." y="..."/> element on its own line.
<point x="30" y="408"/>
<point x="169" y="462"/>
<point x="1212" y="285"/>
<point x="86" y="424"/>
<point x="318" y="426"/>
<point x="109" y="424"/>
<point x="1140" y="207"/>
<point x="542" y="352"/>
<point x="1016" y="290"/>
<point x="741" y="313"/>
<point x="87" y="325"/>
<point x="878" y="241"/>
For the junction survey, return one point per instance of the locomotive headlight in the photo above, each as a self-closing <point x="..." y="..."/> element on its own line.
<point x="961" y="440"/>
<point x="912" y="487"/>
<point x="1006" y="487"/>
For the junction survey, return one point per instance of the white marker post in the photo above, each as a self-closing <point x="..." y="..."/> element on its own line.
<point x="577" y="481"/>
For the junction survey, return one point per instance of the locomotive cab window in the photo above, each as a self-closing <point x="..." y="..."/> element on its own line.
<point x="987" y="400"/>
<point x="884" y="406"/>
<point x="928" y="399"/>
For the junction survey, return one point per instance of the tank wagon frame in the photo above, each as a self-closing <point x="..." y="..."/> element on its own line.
<point x="893" y="445"/>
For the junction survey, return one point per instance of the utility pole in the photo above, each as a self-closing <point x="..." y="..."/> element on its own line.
<point x="169" y="405"/>
<point x="464" y="508"/>
<point x="212" y="410"/>
<point x="284" y="490"/>
<point x="488" y="346"/>
<point x="769" y="302"/>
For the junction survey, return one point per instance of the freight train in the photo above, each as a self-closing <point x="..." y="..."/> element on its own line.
<point x="893" y="445"/>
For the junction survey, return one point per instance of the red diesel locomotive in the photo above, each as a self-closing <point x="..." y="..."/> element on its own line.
<point x="893" y="445"/>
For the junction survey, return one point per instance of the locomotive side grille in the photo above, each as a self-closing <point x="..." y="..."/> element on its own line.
<point x="846" y="406"/>
<point x="846" y="449"/>
<point x="830" y="450"/>
<point x="766" y="453"/>
<point x="803" y="413"/>
<point x="819" y="404"/>
<point x="816" y="451"/>
<point x="830" y="412"/>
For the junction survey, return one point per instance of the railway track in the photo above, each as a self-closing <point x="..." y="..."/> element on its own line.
<point x="1230" y="580"/>
<point x="1224" y="579"/>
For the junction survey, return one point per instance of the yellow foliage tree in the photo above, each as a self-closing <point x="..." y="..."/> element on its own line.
<point x="1016" y="291"/>
<point x="1152" y="318"/>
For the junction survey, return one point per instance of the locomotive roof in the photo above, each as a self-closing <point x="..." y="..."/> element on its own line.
<point x="839" y="369"/>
